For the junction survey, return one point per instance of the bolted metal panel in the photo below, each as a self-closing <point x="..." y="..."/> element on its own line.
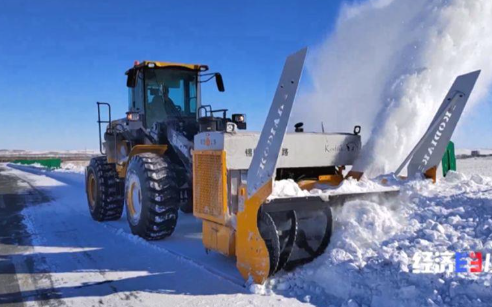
<point x="305" y="149"/>
<point x="219" y="238"/>
<point x="267" y="151"/>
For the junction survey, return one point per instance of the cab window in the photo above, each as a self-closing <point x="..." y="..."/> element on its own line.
<point x="169" y="93"/>
<point x="136" y="94"/>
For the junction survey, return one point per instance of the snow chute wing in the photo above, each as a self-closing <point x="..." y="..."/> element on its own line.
<point x="254" y="257"/>
<point x="428" y="152"/>
<point x="262" y="166"/>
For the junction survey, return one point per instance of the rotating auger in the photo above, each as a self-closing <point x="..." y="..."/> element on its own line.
<point x="294" y="237"/>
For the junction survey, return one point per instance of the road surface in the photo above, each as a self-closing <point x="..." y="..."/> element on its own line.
<point x="53" y="254"/>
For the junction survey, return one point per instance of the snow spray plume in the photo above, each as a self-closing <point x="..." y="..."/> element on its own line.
<point x="388" y="66"/>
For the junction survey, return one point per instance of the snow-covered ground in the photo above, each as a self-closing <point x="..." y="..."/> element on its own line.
<point x="368" y="262"/>
<point x="471" y="166"/>
<point x="79" y="262"/>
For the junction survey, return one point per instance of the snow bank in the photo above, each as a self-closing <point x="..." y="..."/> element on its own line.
<point x="369" y="259"/>
<point x="289" y="188"/>
<point x="73" y="167"/>
<point x="67" y="175"/>
<point x="77" y="167"/>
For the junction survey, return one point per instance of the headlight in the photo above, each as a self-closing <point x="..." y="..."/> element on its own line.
<point x="132" y="116"/>
<point x="238" y="118"/>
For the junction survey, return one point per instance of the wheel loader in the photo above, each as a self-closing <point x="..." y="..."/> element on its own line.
<point x="172" y="151"/>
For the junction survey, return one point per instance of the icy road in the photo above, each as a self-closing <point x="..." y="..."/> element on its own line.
<point x="53" y="254"/>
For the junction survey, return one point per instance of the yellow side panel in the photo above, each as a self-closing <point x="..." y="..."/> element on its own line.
<point x="251" y="252"/>
<point x="219" y="238"/>
<point x="157" y="149"/>
<point x="210" y="186"/>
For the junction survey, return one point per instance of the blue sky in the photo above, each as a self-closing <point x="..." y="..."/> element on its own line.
<point x="58" y="58"/>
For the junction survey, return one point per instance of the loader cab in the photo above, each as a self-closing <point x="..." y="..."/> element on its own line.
<point x="160" y="91"/>
<point x="163" y="95"/>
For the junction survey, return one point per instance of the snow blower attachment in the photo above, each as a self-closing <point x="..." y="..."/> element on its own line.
<point x="232" y="187"/>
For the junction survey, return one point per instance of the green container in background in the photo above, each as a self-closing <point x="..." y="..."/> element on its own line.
<point x="48" y="163"/>
<point x="448" y="160"/>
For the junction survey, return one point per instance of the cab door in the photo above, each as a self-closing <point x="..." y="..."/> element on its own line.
<point x="136" y="97"/>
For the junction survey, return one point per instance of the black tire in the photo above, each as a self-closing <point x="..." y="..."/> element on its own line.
<point x="157" y="199"/>
<point x="104" y="194"/>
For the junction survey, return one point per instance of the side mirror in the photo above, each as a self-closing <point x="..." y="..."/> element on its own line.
<point x="220" y="82"/>
<point x="132" y="78"/>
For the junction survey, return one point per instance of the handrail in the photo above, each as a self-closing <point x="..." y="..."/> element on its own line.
<point x="99" y="122"/>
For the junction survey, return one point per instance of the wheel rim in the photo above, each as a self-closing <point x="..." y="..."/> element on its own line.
<point x="134" y="198"/>
<point x="92" y="191"/>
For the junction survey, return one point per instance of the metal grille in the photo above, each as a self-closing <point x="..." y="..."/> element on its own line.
<point x="208" y="185"/>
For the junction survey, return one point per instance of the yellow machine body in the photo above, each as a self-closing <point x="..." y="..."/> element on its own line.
<point x="253" y="259"/>
<point x="225" y="231"/>
<point x="219" y="238"/>
<point x="210" y="200"/>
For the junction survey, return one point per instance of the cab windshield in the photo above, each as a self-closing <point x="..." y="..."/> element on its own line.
<point x="169" y="92"/>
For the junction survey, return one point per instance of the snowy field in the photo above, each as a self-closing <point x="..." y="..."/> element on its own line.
<point x="471" y="166"/>
<point x="368" y="263"/>
<point x="56" y="153"/>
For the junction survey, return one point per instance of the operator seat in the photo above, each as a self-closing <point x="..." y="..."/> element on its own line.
<point x="169" y="105"/>
<point x="155" y="109"/>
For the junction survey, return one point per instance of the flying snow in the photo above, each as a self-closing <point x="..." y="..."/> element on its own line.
<point x="388" y="66"/>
